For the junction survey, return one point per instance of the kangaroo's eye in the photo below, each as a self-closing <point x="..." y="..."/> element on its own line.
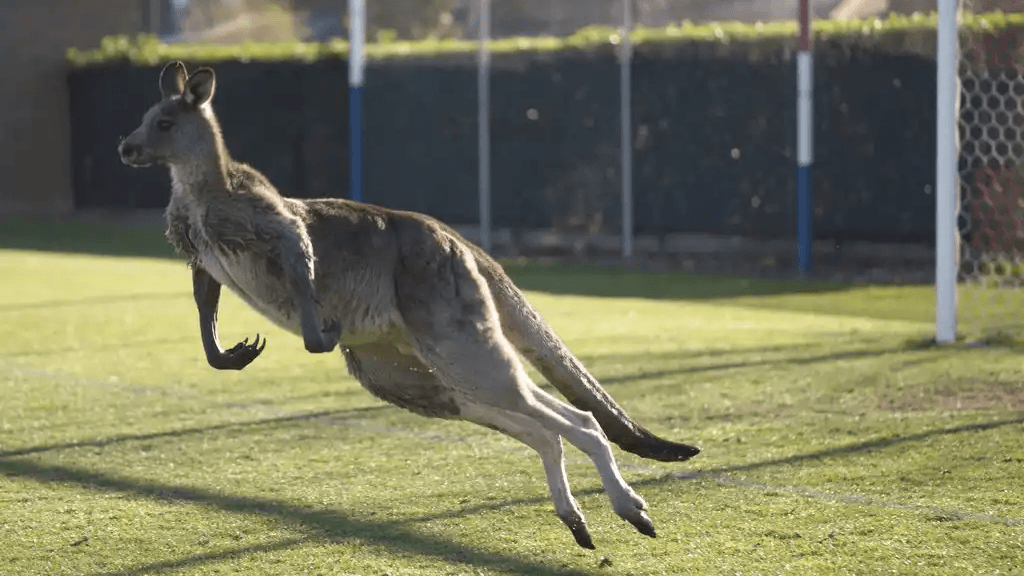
<point x="164" y="125"/>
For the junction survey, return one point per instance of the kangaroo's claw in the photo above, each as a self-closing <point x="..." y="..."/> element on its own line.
<point x="241" y="355"/>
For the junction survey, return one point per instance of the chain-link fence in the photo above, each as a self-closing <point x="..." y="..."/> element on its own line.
<point x="712" y="135"/>
<point x="991" y="131"/>
<point x="560" y="119"/>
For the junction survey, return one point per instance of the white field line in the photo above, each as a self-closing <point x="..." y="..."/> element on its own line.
<point x="723" y="479"/>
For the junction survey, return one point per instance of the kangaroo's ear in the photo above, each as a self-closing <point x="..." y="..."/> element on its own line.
<point x="172" y="79"/>
<point x="199" y="87"/>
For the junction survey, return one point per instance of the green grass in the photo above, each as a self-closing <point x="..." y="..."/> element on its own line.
<point x="834" y="441"/>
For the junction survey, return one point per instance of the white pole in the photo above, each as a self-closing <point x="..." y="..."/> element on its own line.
<point x="946" y="180"/>
<point x="626" y="141"/>
<point x="356" y="65"/>
<point x="804" y="141"/>
<point x="484" y="124"/>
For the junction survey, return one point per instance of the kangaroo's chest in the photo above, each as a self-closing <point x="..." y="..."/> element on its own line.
<point x="250" y="271"/>
<point x="242" y="260"/>
<point x="251" y="274"/>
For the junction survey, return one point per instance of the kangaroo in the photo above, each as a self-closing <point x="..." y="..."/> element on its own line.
<point x="425" y="319"/>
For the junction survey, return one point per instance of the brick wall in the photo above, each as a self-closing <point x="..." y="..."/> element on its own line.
<point x="34" y="133"/>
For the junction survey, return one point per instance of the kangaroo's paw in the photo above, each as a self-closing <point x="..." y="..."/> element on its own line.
<point x="331" y="333"/>
<point x="643" y="525"/>
<point x="240" y="355"/>
<point x="578" y="526"/>
<point x="325" y="340"/>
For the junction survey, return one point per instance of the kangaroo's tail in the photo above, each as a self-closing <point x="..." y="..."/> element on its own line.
<point x="532" y="335"/>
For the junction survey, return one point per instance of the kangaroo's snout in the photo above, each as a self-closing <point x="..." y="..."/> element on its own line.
<point x="131" y="154"/>
<point x="128" y="152"/>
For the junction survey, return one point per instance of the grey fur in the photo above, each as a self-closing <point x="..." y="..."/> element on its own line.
<point x="425" y="320"/>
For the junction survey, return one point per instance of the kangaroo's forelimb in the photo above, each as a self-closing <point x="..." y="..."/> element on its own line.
<point x="296" y="255"/>
<point x="318" y="338"/>
<point x="207" y="294"/>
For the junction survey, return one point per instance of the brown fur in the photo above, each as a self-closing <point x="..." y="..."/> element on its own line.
<point x="426" y="320"/>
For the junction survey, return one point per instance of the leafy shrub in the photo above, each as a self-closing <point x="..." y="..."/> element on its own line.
<point x="913" y="33"/>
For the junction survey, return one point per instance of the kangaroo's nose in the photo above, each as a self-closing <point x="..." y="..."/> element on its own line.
<point x="128" y="151"/>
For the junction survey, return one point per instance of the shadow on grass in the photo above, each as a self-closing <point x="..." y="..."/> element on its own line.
<point x="103" y="348"/>
<point x="641" y="358"/>
<point x="113" y="299"/>
<point x="586" y="280"/>
<point x="199" y="559"/>
<point x="687" y="353"/>
<point x="854" y="448"/>
<point x="332" y="525"/>
<point x="99" y="443"/>
<point x="80" y="236"/>
<point x="786" y="361"/>
<point x="323" y="525"/>
<point x="711" y="473"/>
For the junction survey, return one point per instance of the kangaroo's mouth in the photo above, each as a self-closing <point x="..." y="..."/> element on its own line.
<point x="136" y="164"/>
<point x="134" y="155"/>
<point x="136" y="160"/>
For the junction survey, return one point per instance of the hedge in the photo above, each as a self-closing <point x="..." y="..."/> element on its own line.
<point x="896" y="33"/>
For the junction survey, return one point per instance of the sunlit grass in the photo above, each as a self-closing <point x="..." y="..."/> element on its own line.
<point x="835" y="439"/>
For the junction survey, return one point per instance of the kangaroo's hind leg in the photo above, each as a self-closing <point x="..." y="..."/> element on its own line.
<point x="549" y="447"/>
<point x="486" y="373"/>
<point x="625" y="501"/>
<point x="452" y="325"/>
<point x="403" y="380"/>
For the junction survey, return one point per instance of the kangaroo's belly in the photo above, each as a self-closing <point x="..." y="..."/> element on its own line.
<point x="256" y="282"/>
<point x="364" y="316"/>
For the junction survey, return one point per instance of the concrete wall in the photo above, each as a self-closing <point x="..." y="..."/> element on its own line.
<point x="911" y="6"/>
<point x="860" y="9"/>
<point x="35" y="145"/>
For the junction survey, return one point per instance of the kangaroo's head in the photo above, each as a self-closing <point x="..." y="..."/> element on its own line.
<point x="180" y="129"/>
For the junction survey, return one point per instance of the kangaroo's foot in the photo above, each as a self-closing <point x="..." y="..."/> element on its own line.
<point x="639" y="519"/>
<point x="578" y="526"/>
<point x="549" y="446"/>
<point x="629" y="506"/>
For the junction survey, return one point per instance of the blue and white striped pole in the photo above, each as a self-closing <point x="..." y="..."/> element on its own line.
<point x="356" y="66"/>
<point x="804" y="140"/>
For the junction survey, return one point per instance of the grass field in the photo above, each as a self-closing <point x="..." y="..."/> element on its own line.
<point x="835" y="439"/>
